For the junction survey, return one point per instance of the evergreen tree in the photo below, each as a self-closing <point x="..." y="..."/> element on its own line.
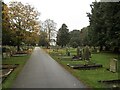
<point x="63" y="36"/>
<point x="105" y="24"/>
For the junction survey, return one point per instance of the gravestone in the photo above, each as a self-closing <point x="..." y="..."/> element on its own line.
<point x="98" y="49"/>
<point x="86" y="53"/>
<point x="113" y="65"/>
<point x="68" y="54"/>
<point x="103" y="48"/>
<point x="4" y="55"/>
<point x="67" y="51"/>
<point x="78" y="51"/>
<point x="92" y="49"/>
<point x="8" y="54"/>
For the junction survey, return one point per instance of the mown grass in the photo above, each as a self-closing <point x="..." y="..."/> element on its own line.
<point x="89" y="77"/>
<point x="14" y="60"/>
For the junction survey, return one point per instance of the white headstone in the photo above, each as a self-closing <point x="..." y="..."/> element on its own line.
<point x="113" y="65"/>
<point x="4" y="55"/>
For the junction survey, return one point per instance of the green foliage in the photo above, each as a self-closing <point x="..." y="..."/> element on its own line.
<point x="75" y="39"/>
<point x="63" y="36"/>
<point x="43" y="39"/>
<point x="105" y="24"/>
<point x="84" y="36"/>
<point x="73" y="44"/>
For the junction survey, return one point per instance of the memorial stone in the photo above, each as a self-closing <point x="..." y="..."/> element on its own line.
<point x="113" y="65"/>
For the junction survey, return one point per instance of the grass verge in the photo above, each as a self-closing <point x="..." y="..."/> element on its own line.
<point x="14" y="60"/>
<point x="89" y="77"/>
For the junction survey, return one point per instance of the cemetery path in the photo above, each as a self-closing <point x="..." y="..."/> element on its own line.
<point x="41" y="71"/>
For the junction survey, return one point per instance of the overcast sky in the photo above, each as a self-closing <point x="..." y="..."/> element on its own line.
<point x="70" y="12"/>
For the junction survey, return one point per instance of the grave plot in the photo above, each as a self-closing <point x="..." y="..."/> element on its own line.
<point x="78" y="55"/>
<point x="113" y="67"/>
<point x="84" y="66"/>
<point x="23" y="52"/>
<point x="76" y="58"/>
<point x="85" y="56"/>
<point x="20" y="53"/>
<point x="66" y="58"/>
<point x="6" y="70"/>
<point x="111" y="83"/>
<point x="4" y="73"/>
<point x="9" y="66"/>
<point x="12" y="51"/>
<point x="82" y="54"/>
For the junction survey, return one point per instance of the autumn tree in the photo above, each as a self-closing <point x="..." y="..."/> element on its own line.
<point x="32" y="38"/>
<point x="23" y="18"/>
<point x="6" y="32"/>
<point x="0" y="23"/>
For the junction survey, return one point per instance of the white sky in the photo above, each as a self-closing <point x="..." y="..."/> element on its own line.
<point x="70" y="12"/>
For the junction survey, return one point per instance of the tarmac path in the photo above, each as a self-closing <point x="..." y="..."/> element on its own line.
<point x="41" y="71"/>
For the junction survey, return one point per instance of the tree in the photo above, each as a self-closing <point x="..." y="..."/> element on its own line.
<point x="43" y="39"/>
<point x="75" y="38"/>
<point x="23" y="18"/>
<point x="96" y="22"/>
<point x="105" y="24"/>
<point x="6" y="32"/>
<point x="0" y="24"/>
<point x="32" y="38"/>
<point x="49" y="27"/>
<point x="63" y="36"/>
<point x="84" y="36"/>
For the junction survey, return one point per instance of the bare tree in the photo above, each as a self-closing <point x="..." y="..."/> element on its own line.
<point x="50" y="28"/>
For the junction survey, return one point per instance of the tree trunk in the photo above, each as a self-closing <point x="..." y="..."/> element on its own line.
<point x="18" y="47"/>
<point x="107" y="48"/>
<point x="18" y="44"/>
<point x="116" y="50"/>
<point x="101" y="48"/>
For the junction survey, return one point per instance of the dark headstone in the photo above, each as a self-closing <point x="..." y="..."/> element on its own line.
<point x="67" y="51"/>
<point x="78" y="51"/>
<point x="86" y="53"/>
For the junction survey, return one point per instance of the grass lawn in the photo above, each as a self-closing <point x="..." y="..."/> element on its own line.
<point x="89" y="77"/>
<point x="14" y="60"/>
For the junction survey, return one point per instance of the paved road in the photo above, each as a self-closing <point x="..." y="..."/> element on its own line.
<point x="41" y="71"/>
